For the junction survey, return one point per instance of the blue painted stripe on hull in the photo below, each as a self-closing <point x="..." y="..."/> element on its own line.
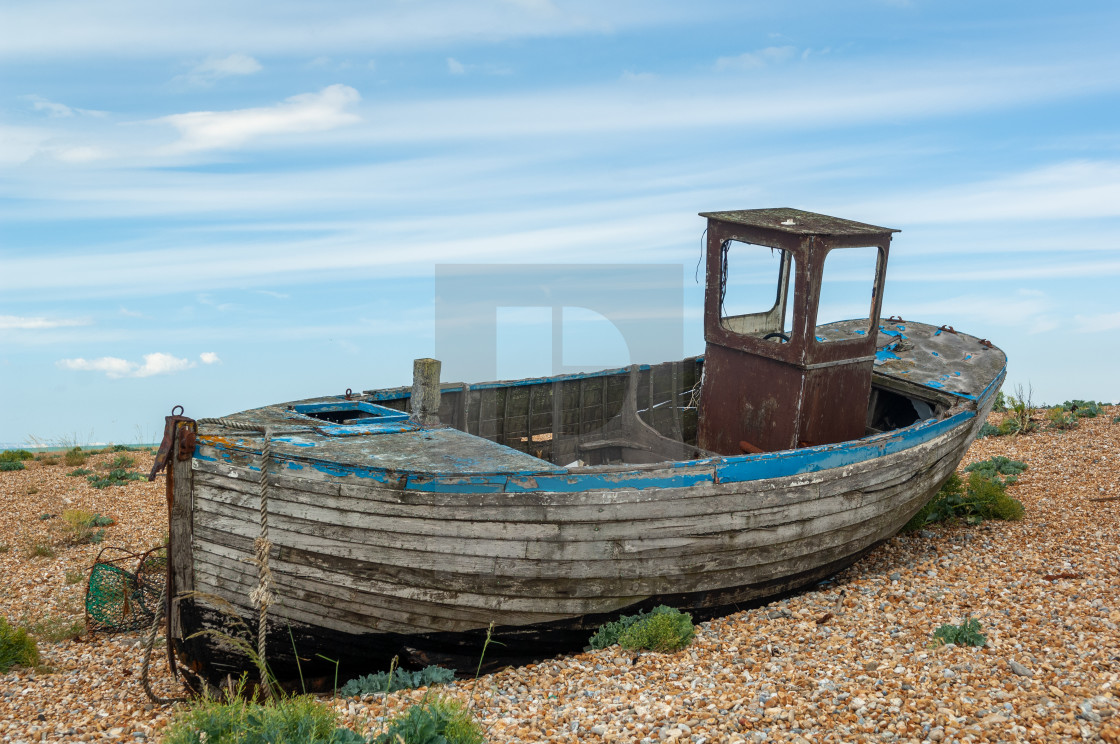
<point x="744" y="468"/>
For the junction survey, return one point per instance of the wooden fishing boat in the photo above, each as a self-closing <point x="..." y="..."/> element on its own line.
<point x="409" y="521"/>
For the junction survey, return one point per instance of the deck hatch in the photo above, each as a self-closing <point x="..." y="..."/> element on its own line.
<point x="350" y="412"/>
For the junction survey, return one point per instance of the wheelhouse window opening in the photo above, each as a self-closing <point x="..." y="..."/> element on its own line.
<point x="846" y="302"/>
<point x="756" y="291"/>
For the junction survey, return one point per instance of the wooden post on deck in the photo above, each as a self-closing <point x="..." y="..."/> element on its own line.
<point x="425" y="391"/>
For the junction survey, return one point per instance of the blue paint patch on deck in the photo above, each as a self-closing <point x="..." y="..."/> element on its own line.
<point x="294" y="441"/>
<point x="883" y="355"/>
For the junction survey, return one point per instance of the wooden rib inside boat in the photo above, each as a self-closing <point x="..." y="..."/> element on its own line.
<point x="548" y="506"/>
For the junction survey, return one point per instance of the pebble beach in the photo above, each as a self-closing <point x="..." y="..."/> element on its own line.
<point x="850" y="660"/>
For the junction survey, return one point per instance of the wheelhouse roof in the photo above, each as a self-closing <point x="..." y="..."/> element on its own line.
<point x="798" y="222"/>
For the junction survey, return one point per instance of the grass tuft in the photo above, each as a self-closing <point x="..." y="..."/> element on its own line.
<point x="82" y="527"/>
<point x="56" y="629"/>
<point x="121" y="462"/>
<point x="17" y="647"/>
<point x="40" y="549"/>
<point x="75" y="457"/>
<point x="299" y="719"/>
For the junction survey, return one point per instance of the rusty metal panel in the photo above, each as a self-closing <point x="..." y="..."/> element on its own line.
<point x="834" y="403"/>
<point x="747" y="398"/>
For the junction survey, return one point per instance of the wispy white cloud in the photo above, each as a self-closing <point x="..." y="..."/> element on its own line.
<point x="307" y="112"/>
<point x="116" y="27"/>
<point x="16" y="322"/>
<point x="212" y="68"/>
<point x="61" y="110"/>
<point x="209" y="357"/>
<point x="1031" y="313"/>
<point x="157" y="363"/>
<point x="1073" y="190"/>
<point x="1096" y="323"/>
<point x="757" y="59"/>
<point x="455" y="67"/>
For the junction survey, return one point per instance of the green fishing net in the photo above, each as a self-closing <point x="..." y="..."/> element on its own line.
<point x="124" y="589"/>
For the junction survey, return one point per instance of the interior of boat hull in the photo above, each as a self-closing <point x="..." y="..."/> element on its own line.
<point x="644" y="414"/>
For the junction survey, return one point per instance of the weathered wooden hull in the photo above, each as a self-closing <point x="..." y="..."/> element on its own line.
<point x="368" y="564"/>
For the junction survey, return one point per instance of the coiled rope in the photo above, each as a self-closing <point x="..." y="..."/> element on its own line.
<point x="262" y="595"/>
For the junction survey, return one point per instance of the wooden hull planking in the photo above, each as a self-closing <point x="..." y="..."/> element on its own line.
<point x="369" y="569"/>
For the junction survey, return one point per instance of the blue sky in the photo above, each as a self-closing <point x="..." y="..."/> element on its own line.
<point x="223" y="205"/>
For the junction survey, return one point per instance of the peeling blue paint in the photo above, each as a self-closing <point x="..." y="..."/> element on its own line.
<point x="294" y="441"/>
<point x="671" y="475"/>
<point x="883" y="355"/>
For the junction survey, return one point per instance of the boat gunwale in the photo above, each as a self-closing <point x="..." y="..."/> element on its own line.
<point x="665" y="474"/>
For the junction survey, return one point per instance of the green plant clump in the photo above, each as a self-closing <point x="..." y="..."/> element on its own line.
<point x="988" y="430"/>
<point x="82" y="526"/>
<point x="1000" y="404"/>
<point x="47" y="459"/>
<point x="75" y="457"/>
<point x="996" y="466"/>
<point x="56" y="629"/>
<point x="122" y="462"/>
<point x="1083" y="408"/>
<point x="117" y="477"/>
<point x="966" y="634"/>
<point x="292" y="720"/>
<point x="40" y="549"/>
<point x="80" y="471"/>
<point x="401" y="679"/>
<point x="6" y="465"/>
<point x="437" y="721"/>
<point x="17" y="647"/>
<point x="663" y="632"/>
<point x="981" y="498"/>
<point x="668" y="631"/>
<point x="15" y="455"/>
<point x="1059" y="418"/>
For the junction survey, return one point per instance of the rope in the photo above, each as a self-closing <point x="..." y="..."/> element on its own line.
<point x="262" y="595"/>
<point x="149" y="644"/>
